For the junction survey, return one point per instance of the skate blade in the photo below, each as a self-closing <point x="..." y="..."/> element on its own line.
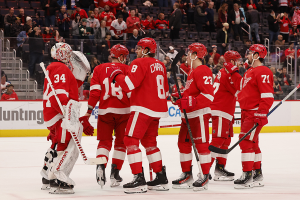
<point x="55" y="190"/>
<point x="258" y="184"/>
<point x="114" y="183"/>
<point x="139" y="189"/>
<point x="183" y="186"/>
<point x="243" y="186"/>
<point x="223" y="178"/>
<point x="162" y="187"/>
<point x="45" y="187"/>
<point x="197" y="189"/>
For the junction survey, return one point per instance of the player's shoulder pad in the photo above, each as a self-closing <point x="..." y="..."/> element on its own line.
<point x="202" y="69"/>
<point x="263" y="70"/>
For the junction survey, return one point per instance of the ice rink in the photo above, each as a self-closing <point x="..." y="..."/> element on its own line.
<point x="21" y="160"/>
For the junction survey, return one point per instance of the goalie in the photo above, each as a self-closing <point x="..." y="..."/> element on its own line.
<point x="62" y="155"/>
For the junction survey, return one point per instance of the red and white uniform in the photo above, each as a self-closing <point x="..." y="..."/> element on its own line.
<point x="119" y="29"/>
<point x="109" y="17"/>
<point x="148" y="83"/>
<point x="146" y="24"/>
<point x="222" y="111"/>
<point x="113" y="113"/>
<point x="198" y="85"/>
<point x="161" y="24"/>
<point x="256" y="94"/>
<point x="284" y="25"/>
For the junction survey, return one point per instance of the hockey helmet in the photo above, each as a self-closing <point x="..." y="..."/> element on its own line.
<point x="118" y="50"/>
<point x="260" y="49"/>
<point x="197" y="48"/>
<point x="61" y="52"/>
<point x="148" y="43"/>
<point x="231" y="55"/>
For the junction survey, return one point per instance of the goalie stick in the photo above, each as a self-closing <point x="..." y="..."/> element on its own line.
<point x="173" y="69"/>
<point x="224" y="151"/>
<point x="86" y="160"/>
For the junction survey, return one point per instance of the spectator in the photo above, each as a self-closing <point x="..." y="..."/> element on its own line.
<point x="94" y="63"/>
<point x="125" y="13"/>
<point x="81" y="12"/>
<point x="38" y="21"/>
<point x="4" y="83"/>
<point x="275" y="73"/>
<point x="210" y="22"/>
<point x="290" y="51"/>
<point x="222" y="15"/>
<point x="280" y="42"/>
<point x="75" y="26"/>
<point x="101" y="32"/>
<point x="22" y="36"/>
<point x="132" y="22"/>
<point x="57" y="37"/>
<point x="222" y="38"/>
<point x="236" y="18"/>
<point x="200" y="16"/>
<point x="172" y="52"/>
<point x="277" y="89"/>
<point x="214" y="55"/>
<point x="22" y="16"/>
<point x="85" y="4"/>
<point x="284" y="26"/>
<point x="274" y="5"/>
<point x="184" y="66"/>
<point x="253" y="19"/>
<point x="93" y="22"/>
<point x="104" y="49"/>
<point x="28" y="24"/>
<point x="283" y="6"/>
<point x="50" y="7"/>
<point x="190" y="11"/>
<point x="85" y="32"/>
<point x="63" y="21"/>
<point x="132" y="42"/>
<point x="219" y="65"/>
<point x="97" y="14"/>
<point x="175" y="22"/>
<point x="113" y="5"/>
<point x="167" y="63"/>
<point x="16" y="28"/>
<point x="294" y="34"/>
<point x="260" y="6"/>
<point x="36" y="50"/>
<point x="296" y="17"/>
<point x="107" y="16"/>
<point x="285" y="79"/>
<point x="273" y="22"/>
<point x="210" y="63"/>
<point x="47" y="34"/>
<point x="148" y="23"/>
<point x="118" y="29"/>
<point x="9" y="20"/>
<point x="180" y="84"/>
<point x="246" y="46"/>
<point x="250" y="3"/>
<point x="10" y="94"/>
<point x="162" y="3"/>
<point x="161" y="23"/>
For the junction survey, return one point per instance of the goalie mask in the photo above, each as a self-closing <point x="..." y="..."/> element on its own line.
<point x="61" y="52"/>
<point x="80" y="66"/>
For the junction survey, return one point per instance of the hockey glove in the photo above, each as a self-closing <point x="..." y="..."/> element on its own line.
<point x="88" y="129"/>
<point x="52" y="136"/>
<point x="230" y="67"/>
<point x="188" y="102"/>
<point x="246" y="64"/>
<point x="260" y="117"/>
<point x="112" y="72"/>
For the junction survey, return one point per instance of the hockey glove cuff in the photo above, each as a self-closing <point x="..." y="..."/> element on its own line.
<point x="230" y="67"/>
<point x="88" y="129"/>
<point x="260" y="117"/>
<point x="186" y="102"/>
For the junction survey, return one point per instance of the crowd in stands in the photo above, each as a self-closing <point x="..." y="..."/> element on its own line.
<point x="97" y="25"/>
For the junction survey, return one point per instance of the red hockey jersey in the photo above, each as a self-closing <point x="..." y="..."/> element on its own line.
<point x="148" y="83"/>
<point x="199" y="85"/>
<point x="118" y="29"/>
<point x="256" y="88"/>
<point x="109" y="18"/>
<point x="110" y="95"/>
<point x="225" y="96"/>
<point x="148" y="24"/>
<point x="161" y="24"/>
<point x="10" y="97"/>
<point x="65" y="86"/>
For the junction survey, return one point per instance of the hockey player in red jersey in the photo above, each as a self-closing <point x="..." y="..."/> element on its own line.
<point x="61" y="157"/>
<point x="147" y="81"/>
<point x="196" y="100"/>
<point x="255" y="98"/>
<point x="113" y="114"/>
<point x="222" y="112"/>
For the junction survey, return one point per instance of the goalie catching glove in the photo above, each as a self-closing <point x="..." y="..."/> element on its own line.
<point x="188" y="102"/>
<point x="88" y="129"/>
<point x="261" y="117"/>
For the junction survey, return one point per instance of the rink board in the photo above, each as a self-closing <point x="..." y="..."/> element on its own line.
<point x="25" y="119"/>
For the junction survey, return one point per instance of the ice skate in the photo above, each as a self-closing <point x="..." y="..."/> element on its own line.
<point x="59" y="187"/>
<point x="185" y="181"/>
<point x="160" y="183"/>
<point x="46" y="184"/>
<point x="221" y="174"/>
<point x="137" y="185"/>
<point x="115" y="178"/>
<point x="202" y="183"/>
<point x="100" y="175"/>
<point x="258" y="178"/>
<point x="245" y="181"/>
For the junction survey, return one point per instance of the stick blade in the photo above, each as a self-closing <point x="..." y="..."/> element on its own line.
<point x="217" y="150"/>
<point x="96" y="161"/>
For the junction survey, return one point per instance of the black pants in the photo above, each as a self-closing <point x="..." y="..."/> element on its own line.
<point x="190" y="17"/>
<point x="237" y="29"/>
<point x="35" y="58"/>
<point x="174" y="34"/>
<point x="285" y="37"/>
<point x="211" y="27"/>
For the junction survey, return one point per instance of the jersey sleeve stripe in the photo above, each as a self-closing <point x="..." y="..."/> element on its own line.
<point x="58" y="91"/>
<point x="95" y="87"/>
<point x="129" y="95"/>
<point x="52" y="121"/>
<point x="129" y="83"/>
<point x="266" y="95"/>
<point x="210" y="97"/>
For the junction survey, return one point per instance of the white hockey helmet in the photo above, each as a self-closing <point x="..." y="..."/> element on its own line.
<point x="61" y="52"/>
<point x="79" y="64"/>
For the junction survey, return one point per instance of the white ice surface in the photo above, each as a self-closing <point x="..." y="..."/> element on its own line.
<point x="21" y="160"/>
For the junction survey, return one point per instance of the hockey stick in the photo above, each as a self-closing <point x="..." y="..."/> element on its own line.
<point x="86" y="160"/>
<point x="224" y="151"/>
<point x="173" y="69"/>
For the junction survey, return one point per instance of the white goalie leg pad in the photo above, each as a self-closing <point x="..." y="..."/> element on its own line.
<point x="71" y="118"/>
<point x="47" y="160"/>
